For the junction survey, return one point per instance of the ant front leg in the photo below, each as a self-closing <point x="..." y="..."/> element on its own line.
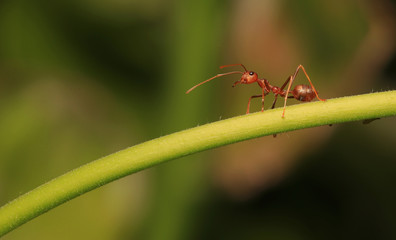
<point x="248" y="106"/>
<point x="256" y="96"/>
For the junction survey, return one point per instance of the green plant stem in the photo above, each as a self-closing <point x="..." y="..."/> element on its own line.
<point x="156" y="151"/>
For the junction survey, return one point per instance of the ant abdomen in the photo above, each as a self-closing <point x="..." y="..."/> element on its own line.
<point x="303" y="93"/>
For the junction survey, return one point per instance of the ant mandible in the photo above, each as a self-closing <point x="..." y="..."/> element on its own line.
<point x="300" y="92"/>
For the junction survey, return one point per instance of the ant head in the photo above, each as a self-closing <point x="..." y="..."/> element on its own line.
<point x="249" y="77"/>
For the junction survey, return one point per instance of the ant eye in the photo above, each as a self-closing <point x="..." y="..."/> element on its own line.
<point x="251" y="73"/>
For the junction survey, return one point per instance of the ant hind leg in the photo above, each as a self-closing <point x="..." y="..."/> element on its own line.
<point x="291" y="82"/>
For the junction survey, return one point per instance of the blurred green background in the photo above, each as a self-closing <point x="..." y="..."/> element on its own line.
<point x="83" y="79"/>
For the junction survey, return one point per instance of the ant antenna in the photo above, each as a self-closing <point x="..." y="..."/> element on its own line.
<point x="237" y="64"/>
<point x="218" y="75"/>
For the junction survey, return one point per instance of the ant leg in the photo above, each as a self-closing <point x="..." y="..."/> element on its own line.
<point x="273" y="104"/>
<point x="316" y="93"/>
<point x="281" y="89"/>
<point x="248" y="106"/>
<point x="288" y="79"/>
<point x="291" y="82"/>
<point x="276" y="97"/>
<point x="262" y="100"/>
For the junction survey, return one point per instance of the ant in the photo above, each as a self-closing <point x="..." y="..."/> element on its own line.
<point x="300" y="92"/>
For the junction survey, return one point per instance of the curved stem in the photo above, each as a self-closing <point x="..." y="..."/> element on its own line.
<point x="156" y="151"/>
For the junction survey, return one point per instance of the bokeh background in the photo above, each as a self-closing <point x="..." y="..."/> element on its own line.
<point x="82" y="79"/>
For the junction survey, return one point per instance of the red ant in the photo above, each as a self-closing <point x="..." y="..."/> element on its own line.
<point x="300" y="92"/>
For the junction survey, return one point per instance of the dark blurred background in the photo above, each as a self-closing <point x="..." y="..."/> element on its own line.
<point x="82" y="79"/>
